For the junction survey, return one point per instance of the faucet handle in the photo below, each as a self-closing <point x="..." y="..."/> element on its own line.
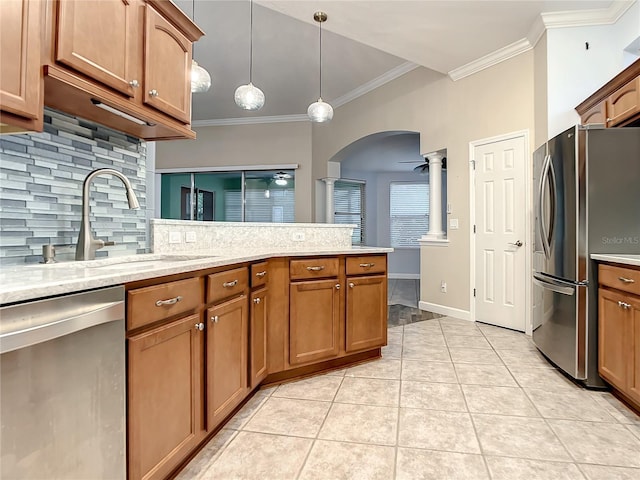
<point x="108" y="244"/>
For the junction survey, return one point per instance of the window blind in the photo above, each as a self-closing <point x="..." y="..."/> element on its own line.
<point x="348" y="201"/>
<point x="409" y="212"/>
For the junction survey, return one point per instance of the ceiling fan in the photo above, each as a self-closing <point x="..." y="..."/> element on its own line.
<point x="281" y="178"/>
<point x="424" y="166"/>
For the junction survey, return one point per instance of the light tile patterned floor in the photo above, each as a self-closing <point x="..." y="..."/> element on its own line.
<point x="450" y="400"/>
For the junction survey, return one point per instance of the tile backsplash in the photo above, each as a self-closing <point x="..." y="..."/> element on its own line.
<point x="41" y="178"/>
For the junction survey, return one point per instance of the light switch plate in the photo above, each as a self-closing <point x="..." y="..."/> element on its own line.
<point x="190" y="237"/>
<point x="453" y="224"/>
<point x="175" y="237"/>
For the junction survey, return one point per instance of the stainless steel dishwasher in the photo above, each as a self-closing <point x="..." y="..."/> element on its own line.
<point x="62" y="387"/>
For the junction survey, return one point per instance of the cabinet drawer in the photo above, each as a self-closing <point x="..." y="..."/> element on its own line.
<point x="151" y="304"/>
<point x="259" y="274"/>
<point x="620" y="278"/>
<point x="366" y="264"/>
<point x="313" y="268"/>
<point x="227" y="284"/>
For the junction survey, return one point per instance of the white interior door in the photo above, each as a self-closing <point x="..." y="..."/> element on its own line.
<point x="500" y="238"/>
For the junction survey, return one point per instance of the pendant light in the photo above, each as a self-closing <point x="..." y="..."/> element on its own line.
<point x="320" y="111"/>
<point x="249" y="96"/>
<point x="200" y="78"/>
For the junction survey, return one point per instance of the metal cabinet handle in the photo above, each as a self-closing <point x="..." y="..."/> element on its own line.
<point x="230" y="284"/>
<point x="315" y="269"/>
<point x="518" y="243"/>
<point x="367" y="265"/>
<point x="351" y="285"/>
<point x="261" y="274"/>
<point x="624" y="305"/>
<point x="170" y="301"/>
<point x="134" y="83"/>
<point x="626" y="280"/>
<point x="153" y="93"/>
<point x="215" y="319"/>
<point x="200" y="326"/>
<point x="337" y="286"/>
<point x="609" y="119"/>
<point x="256" y="300"/>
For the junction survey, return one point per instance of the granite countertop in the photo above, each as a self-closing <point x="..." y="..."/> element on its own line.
<point x="28" y="282"/>
<point x="625" y="259"/>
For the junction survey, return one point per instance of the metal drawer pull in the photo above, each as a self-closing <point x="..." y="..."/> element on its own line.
<point x="230" y="284"/>
<point x="153" y="93"/>
<point x="626" y="280"/>
<point x="337" y="286"/>
<point x="134" y="83"/>
<point x="351" y="285"/>
<point x="215" y="319"/>
<point x="200" y="326"/>
<point x="367" y="265"/>
<point x="170" y="301"/>
<point x="624" y="305"/>
<point x="261" y="274"/>
<point x="315" y="269"/>
<point x="256" y="300"/>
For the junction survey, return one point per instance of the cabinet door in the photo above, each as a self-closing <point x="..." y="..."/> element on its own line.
<point x="99" y="39"/>
<point x="314" y="321"/>
<point x="596" y="114"/>
<point x="20" y="82"/>
<point x="165" y="392"/>
<point x="258" y="336"/>
<point x="634" y="362"/>
<point x="623" y="103"/>
<point x="227" y="358"/>
<point x="366" y="323"/>
<point x="167" y="67"/>
<point x="613" y="338"/>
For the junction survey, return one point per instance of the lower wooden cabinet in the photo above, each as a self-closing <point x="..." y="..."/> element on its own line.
<point x="165" y="397"/>
<point x="314" y="321"/>
<point x="226" y="358"/>
<point x="366" y="320"/>
<point x="258" y="337"/>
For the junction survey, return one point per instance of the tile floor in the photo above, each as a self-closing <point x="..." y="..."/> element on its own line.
<point x="449" y="400"/>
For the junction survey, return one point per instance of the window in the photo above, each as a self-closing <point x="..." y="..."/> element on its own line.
<point x="348" y="198"/>
<point x="409" y="212"/>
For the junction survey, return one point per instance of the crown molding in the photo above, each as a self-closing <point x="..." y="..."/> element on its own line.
<point x="375" y="83"/>
<point x="250" y="120"/>
<point x="491" y="59"/>
<point x="585" y="18"/>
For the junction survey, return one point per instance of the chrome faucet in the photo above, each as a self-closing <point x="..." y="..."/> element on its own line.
<point x="87" y="245"/>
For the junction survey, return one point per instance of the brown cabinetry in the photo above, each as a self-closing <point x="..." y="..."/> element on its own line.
<point x="619" y="329"/>
<point x="21" y="105"/>
<point x="366" y="319"/>
<point x="259" y="310"/>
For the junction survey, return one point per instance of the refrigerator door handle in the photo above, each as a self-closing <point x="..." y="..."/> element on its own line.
<point x="554" y="198"/>
<point x="543" y="231"/>
<point x="554" y="285"/>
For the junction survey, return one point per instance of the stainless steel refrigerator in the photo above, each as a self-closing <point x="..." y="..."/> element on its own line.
<point x="587" y="200"/>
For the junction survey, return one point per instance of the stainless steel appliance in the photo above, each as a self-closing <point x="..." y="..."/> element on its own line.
<point x="62" y="387"/>
<point x="587" y="183"/>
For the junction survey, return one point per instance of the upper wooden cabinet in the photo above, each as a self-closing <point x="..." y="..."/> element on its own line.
<point x="617" y="103"/>
<point x="21" y="106"/>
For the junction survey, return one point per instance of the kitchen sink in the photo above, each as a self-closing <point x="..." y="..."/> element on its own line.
<point x="146" y="260"/>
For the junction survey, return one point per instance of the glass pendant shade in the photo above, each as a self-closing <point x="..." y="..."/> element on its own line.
<point x="249" y="97"/>
<point x="320" y="111"/>
<point x="200" y="78"/>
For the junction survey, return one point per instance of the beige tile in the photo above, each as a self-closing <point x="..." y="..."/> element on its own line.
<point x="369" y="391"/>
<point x="413" y="464"/>
<point x="248" y="410"/>
<point x="394" y="337"/>
<point x="345" y="461"/>
<point x="433" y="324"/>
<point x="433" y="396"/>
<point x="392" y="350"/>
<point x="543" y="378"/>
<point x="388" y="368"/>
<point x="337" y="373"/>
<point x="434" y="339"/>
<point x="323" y="388"/>
<point x="503" y="468"/>
<point x="524" y="358"/>
<point x="474" y="355"/>
<point x="600" y="472"/>
<point x="455" y="330"/>
<point x="426" y="352"/>
<point x="569" y="405"/>
<point x="458" y="341"/>
<point x="519" y="343"/>
<point x="450" y="321"/>
<point x="205" y="457"/>
<point x="493" y="331"/>
<point x="484" y="375"/>
<point x="428" y="371"/>
<point x="257" y="456"/>
<point x="361" y="423"/>
<point x="498" y="400"/>
<point x="437" y="430"/>
<point x="635" y="429"/>
<point x="518" y="437"/>
<point x="616" y="408"/>
<point x="599" y="443"/>
<point x="286" y="416"/>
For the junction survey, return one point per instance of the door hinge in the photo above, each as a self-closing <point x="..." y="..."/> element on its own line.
<point x="474" y="229"/>
<point x="474" y="292"/>
<point x="473" y="164"/>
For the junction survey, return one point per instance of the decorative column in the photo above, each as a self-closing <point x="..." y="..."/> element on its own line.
<point x="435" y="196"/>
<point x="329" y="206"/>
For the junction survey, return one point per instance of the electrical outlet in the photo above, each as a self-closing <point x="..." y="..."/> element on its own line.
<point x="443" y="286"/>
<point x="175" y="237"/>
<point x="298" y="236"/>
<point x="190" y="237"/>
<point x="453" y="224"/>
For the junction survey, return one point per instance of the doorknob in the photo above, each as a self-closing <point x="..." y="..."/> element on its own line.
<point x="517" y="244"/>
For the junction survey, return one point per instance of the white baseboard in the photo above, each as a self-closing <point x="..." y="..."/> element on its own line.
<point x="443" y="310"/>
<point x="404" y="276"/>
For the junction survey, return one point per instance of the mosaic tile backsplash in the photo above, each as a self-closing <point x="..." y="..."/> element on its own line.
<point x="41" y="179"/>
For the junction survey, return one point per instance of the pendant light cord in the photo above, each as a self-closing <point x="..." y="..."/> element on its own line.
<point x="251" y="41"/>
<point x="320" y="59"/>
<point x="193" y="19"/>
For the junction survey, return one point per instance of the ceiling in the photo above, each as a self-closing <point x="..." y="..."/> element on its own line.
<point x="364" y="43"/>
